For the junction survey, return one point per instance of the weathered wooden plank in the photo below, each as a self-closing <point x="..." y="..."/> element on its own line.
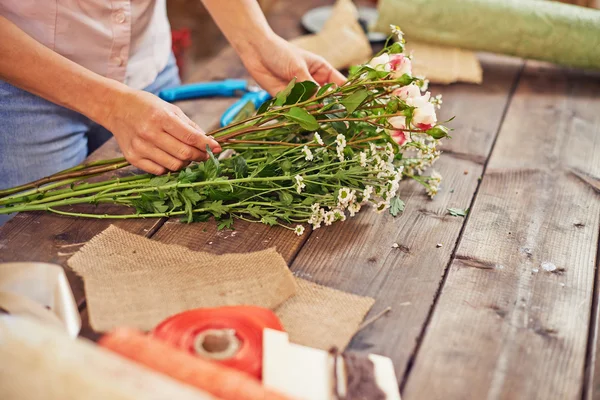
<point x="246" y="237"/>
<point x="358" y="256"/>
<point x="54" y="238"/>
<point x="512" y="318"/>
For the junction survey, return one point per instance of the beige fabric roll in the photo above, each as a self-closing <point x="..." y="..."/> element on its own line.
<point x="342" y="41"/>
<point x="39" y="362"/>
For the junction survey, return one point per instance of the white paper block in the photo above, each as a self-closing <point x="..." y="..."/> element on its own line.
<point x="306" y="373"/>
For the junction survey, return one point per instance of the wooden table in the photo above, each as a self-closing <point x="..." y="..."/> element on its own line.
<point x="478" y="317"/>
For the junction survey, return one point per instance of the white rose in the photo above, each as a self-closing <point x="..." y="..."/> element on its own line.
<point x="398" y="122"/>
<point x="424" y="116"/>
<point x="408" y="92"/>
<point x="381" y="62"/>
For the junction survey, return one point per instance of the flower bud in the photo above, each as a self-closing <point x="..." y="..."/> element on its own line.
<point x="438" y="132"/>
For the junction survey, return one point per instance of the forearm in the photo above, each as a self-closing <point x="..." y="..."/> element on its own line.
<point x="244" y="25"/>
<point x="27" y="64"/>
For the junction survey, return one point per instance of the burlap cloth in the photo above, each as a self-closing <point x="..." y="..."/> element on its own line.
<point x="134" y="281"/>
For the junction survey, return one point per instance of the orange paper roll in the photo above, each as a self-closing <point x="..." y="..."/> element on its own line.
<point x="218" y="380"/>
<point x="231" y="336"/>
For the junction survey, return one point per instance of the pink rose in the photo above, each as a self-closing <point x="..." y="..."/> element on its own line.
<point x="398" y="134"/>
<point x="424" y="116"/>
<point x="400" y="64"/>
<point x="407" y="92"/>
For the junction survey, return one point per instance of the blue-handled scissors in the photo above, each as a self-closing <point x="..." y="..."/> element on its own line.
<point x="226" y="88"/>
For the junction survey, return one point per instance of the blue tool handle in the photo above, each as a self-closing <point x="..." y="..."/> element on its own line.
<point x="226" y="88"/>
<point x="257" y="98"/>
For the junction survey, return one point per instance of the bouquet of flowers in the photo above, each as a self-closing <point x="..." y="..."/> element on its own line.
<point x="311" y="155"/>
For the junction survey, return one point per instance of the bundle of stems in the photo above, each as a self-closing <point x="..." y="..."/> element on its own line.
<point x="310" y="155"/>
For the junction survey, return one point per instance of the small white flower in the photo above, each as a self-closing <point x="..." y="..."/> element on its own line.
<point x="339" y="215"/>
<point x="299" y="230"/>
<point x="315" y="208"/>
<point x="362" y="156"/>
<point x="437" y="101"/>
<point x="329" y="217"/>
<point x="340" y="155"/>
<point x="367" y="192"/>
<point x="382" y="206"/>
<point x="372" y="148"/>
<point x="340" y="140"/>
<point x="345" y="196"/>
<point x="318" y="139"/>
<point x="308" y="155"/>
<point x="424" y="84"/>
<point x="434" y="183"/>
<point x="354" y="208"/>
<point x="396" y="31"/>
<point x="299" y="183"/>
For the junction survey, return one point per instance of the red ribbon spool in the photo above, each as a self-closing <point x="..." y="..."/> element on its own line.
<point x="231" y="336"/>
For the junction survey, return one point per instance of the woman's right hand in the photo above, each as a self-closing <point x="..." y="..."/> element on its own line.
<point x="154" y="135"/>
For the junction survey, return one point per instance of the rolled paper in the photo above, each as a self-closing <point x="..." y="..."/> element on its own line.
<point x="231" y="336"/>
<point x="40" y="362"/>
<point x="542" y="30"/>
<point x="218" y="380"/>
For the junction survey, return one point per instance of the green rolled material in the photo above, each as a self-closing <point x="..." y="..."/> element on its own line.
<point x="542" y="30"/>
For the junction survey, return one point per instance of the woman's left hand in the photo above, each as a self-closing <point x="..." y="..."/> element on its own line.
<point x="274" y="62"/>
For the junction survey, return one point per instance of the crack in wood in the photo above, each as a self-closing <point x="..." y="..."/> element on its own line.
<point x="592" y="181"/>
<point x="474" y="158"/>
<point x="473" y="262"/>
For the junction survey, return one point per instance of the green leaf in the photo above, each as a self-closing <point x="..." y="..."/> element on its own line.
<point x="159" y="180"/>
<point x="395" y="48"/>
<point x="308" y="201"/>
<point x="191" y="195"/>
<point x="225" y="223"/>
<point x="286" y="165"/>
<point x="188" y="175"/>
<point x="405" y="80"/>
<point x="302" y="91"/>
<point x="265" y="106"/>
<point x="286" y="198"/>
<point x="355" y="70"/>
<point x="240" y="167"/>
<point x="324" y="88"/>
<point x="175" y="200"/>
<point x="160" y="206"/>
<point x="245" y="112"/>
<point x="216" y="208"/>
<point x="302" y="118"/>
<point x="458" y="212"/>
<point x="281" y="97"/>
<point x="396" y="206"/>
<point x="392" y="106"/>
<point x="212" y="167"/>
<point x="353" y="101"/>
<point x="375" y="74"/>
<point x="254" y="211"/>
<point x="269" y="220"/>
<point x="201" y="217"/>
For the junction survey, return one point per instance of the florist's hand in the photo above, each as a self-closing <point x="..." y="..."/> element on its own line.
<point x="154" y="135"/>
<point x="273" y="63"/>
